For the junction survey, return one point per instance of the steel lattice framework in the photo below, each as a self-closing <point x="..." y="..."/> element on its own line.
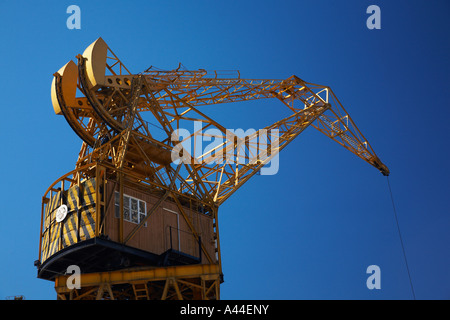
<point x="132" y="124"/>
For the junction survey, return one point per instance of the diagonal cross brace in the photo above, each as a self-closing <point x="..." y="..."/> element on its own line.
<point x="124" y="140"/>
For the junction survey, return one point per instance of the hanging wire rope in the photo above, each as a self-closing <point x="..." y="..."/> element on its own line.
<point x="401" y="239"/>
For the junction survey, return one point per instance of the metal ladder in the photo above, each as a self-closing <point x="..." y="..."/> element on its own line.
<point x="140" y="291"/>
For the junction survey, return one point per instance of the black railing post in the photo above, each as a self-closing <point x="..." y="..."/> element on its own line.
<point x="170" y="235"/>
<point x="200" y="248"/>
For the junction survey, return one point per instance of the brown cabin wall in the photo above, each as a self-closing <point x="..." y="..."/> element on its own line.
<point x="155" y="237"/>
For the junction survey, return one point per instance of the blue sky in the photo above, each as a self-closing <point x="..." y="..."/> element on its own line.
<point x="308" y="232"/>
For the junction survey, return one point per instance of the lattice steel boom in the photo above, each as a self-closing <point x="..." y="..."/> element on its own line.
<point x="112" y="108"/>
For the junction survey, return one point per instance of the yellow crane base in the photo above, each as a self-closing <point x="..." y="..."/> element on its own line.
<point x="190" y="282"/>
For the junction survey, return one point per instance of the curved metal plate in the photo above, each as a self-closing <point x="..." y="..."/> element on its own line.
<point x="69" y="76"/>
<point x="96" y="62"/>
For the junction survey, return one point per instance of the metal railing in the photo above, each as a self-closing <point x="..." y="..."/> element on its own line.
<point x="183" y="242"/>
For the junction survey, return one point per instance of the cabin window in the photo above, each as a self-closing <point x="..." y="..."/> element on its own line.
<point x="134" y="210"/>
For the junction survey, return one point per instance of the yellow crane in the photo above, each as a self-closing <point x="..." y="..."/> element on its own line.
<point x="139" y="213"/>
